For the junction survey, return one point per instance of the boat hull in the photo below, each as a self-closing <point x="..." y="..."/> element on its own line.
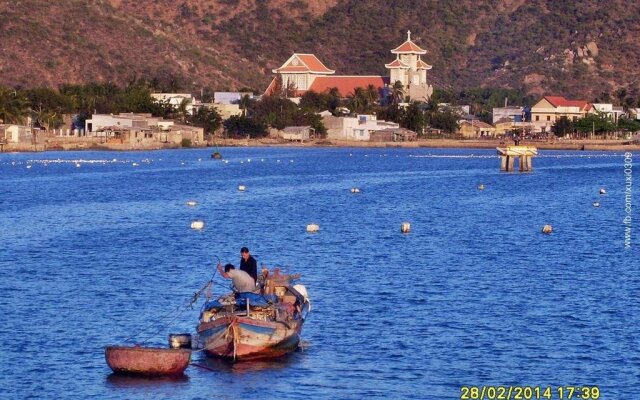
<point x="147" y="361"/>
<point x="239" y="338"/>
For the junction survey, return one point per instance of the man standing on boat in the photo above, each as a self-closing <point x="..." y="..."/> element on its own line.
<point x="241" y="280"/>
<point x="248" y="264"/>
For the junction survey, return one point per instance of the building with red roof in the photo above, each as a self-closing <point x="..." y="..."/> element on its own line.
<point x="304" y="72"/>
<point x="549" y="109"/>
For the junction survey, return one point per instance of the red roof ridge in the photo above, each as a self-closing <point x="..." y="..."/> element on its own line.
<point x="561" y="101"/>
<point x="396" y="63"/>
<point x="408" y="47"/>
<point x="310" y="63"/>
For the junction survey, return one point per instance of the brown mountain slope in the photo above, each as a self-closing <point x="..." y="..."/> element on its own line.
<point x="574" y="48"/>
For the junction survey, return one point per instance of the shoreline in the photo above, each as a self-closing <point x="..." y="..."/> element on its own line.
<point x="85" y="144"/>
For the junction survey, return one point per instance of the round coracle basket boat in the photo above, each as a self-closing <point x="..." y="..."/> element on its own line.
<point x="149" y="361"/>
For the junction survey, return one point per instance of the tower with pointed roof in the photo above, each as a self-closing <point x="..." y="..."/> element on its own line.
<point x="410" y="70"/>
<point x="305" y="72"/>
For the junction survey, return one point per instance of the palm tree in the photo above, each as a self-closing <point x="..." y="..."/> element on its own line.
<point x="358" y="99"/>
<point x="371" y="93"/>
<point x="182" y="111"/>
<point x="397" y="92"/>
<point x="13" y="106"/>
<point x="245" y="101"/>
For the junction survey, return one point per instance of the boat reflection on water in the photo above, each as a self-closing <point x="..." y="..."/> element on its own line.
<point x="229" y="366"/>
<point x="132" y="381"/>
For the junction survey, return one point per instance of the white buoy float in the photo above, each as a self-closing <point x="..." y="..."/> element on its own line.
<point x="603" y="191"/>
<point x="28" y="166"/>
<point x="312" y="228"/>
<point x="481" y="186"/>
<point x="596" y="204"/>
<point x="241" y="188"/>
<point x="405" y="227"/>
<point x="135" y="164"/>
<point x="192" y="203"/>
<point x="355" y="190"/>
<point x="77" y="165"/>
<point x="197" y="224"/>
<point x="547" y="229"/>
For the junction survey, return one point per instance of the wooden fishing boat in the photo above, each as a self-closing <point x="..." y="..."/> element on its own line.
<point x="250" y="326"/>
<point x="148" y="361"/>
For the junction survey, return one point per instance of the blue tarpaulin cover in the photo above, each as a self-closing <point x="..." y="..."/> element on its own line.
<point x="255" y="299"/>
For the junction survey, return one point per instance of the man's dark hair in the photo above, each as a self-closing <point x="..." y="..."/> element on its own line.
<point x="228" y="267"/>
<point x="244" y="250"/>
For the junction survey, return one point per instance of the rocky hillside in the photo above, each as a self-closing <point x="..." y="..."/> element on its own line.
<point x="580" y="48"/>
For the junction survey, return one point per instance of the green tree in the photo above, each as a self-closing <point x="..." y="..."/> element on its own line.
<point x="207" y="118"/>
<point x="594" y="124"/>
<point x="274" y="111"/>
<point x="238" y="126"/>
<point x="445" y="120"/>
<point x="357" y="101"/>
<point x="313" y="101"/>
<point x="245" y="102"/>
<point x="563" y="126"/>
<point x="413" y="118"/>
<point x="397" y="92"/>
<point x="371" y="94"/>
<point x="629" y="125"/>
<point x="14" y="106"/>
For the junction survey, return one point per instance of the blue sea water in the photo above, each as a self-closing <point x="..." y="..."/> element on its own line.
<point x="94" y="249"/>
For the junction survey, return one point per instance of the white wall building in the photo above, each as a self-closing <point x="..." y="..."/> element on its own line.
<point x="12" y="133"/>
<point x="354" y="128"/>
<point x="100" y="122"/>
<point x="176" y="99"/>
<point x="608" y="110"/>
<point x="511" y="113"/>
<point x="409" y="69"/>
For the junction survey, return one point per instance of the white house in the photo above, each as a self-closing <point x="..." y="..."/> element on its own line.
<point x="608" y="110"/>
<point x="295" y="133"/>
<point x="511" y="113"/>
<point x="15" y="133"/>
<point x="354" y="128"/>
<point x="141" y="126"/>
<point x="176" y="99"/>
<point x="230" y="97"/>
<point x="99" y="122"/>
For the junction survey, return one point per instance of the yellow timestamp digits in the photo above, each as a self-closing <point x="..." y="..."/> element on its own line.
<point x="529" y="392"/>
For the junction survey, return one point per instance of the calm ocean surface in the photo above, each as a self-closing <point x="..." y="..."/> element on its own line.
<point x="474" y="295"/>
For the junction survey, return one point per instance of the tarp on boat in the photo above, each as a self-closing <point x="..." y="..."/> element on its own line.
<point x="255" y="299"/>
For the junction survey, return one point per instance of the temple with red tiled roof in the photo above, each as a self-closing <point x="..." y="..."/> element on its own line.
<point x="304" y="72"/>
<point x="409" y="69"/>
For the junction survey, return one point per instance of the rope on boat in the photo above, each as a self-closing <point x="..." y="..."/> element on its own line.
<point x="232" y="330"/>
<point x="188" y="304"/>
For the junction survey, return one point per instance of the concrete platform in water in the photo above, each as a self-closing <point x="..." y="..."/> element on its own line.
<point x="524" y="154"/>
